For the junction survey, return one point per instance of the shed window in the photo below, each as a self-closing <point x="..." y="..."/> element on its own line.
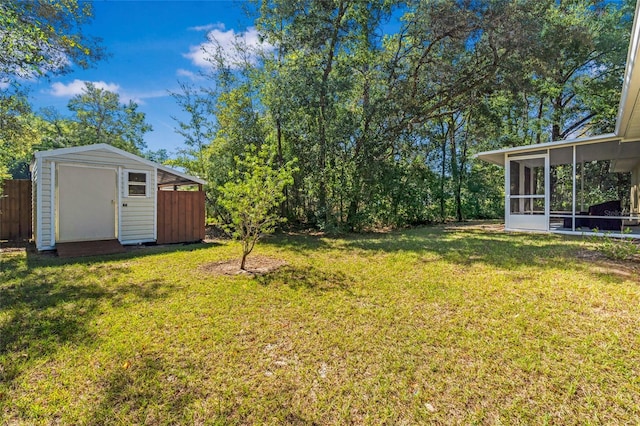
<point x="137" y="184"/>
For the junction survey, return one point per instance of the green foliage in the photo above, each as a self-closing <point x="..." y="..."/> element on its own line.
<point x="17" y="134"/>
<point x="41" y="36"/>
<point x="160" y="156"/>
<point x="615" y="248"/>
<point x="38" y="37"/>
<point x="101" y="118"/>
<point x="484" y="192"/>
<point x="197" y="132"/>
<point x="251" y="197"/>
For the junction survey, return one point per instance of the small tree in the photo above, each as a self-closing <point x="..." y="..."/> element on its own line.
<point x="252" y="196"/>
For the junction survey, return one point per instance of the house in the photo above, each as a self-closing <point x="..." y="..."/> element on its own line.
<point x="545" y="183"/>
<point x="99" y="192"/>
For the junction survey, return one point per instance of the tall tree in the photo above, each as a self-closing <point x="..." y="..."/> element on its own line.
<point x="103" y="119"/>
<point x="198" y="130"/>
<point x="578" y="65"/>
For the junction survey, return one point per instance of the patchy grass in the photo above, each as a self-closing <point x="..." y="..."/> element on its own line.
<point x="432" y="325"/>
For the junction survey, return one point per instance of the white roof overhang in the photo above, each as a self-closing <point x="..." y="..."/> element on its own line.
<point x="628" y="121"/>
<point x="498" y="156"/>
<point x="166" y="175"/>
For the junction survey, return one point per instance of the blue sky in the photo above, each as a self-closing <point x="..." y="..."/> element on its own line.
<point x="153" y="45"/>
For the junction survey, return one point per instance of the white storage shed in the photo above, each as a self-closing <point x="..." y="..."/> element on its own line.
<point x="99" y="192"/>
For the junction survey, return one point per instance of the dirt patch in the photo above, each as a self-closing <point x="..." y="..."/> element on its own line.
<point x="599" y="263"/>
<point x="14" y="247"/>
<point x="255" y="265"/>
<point x="476" y="225"/>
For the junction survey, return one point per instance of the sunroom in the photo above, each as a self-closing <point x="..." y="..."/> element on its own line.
<point x="574" y="186"/>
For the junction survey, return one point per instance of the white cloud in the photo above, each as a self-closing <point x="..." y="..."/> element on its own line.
<point x="4" y="84"/>
<point x="189" y="74"/>
<point x="76" y="87"/>
<point x="139" y="98"/>
<point x="208" y="27"/>
<point x="226" y="41"/>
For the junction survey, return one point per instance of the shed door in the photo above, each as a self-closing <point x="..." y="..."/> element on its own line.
<point x="86" y="204"/>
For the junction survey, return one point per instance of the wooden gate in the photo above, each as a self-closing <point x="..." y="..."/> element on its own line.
<point x="15" y="210"/>
<point x="180" y="216"/>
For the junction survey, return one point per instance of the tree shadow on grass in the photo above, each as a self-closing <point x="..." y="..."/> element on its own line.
<point x="307" y="277"/>
<point x="469" y="246"/>
<point x="12" y="261"/>
<point x="35" y="258"/>
<point x="45" y="307"/>
<point x="145" y="388"/>
<point x="155" y="250"/>
<point x="299" y="241"/>
<point x="466" y="245"/>
<point x="463" y="245"/>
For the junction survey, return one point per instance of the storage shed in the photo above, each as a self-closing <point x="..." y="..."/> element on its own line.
<point x="99" y="192"/>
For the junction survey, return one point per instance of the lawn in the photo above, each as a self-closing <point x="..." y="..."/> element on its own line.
<point x="435" y="325"/>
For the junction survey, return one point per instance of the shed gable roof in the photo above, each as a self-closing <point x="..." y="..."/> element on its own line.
<point x="166" y="175"/>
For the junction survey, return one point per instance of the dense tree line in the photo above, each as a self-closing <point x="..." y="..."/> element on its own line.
<point x="382" y="104"/>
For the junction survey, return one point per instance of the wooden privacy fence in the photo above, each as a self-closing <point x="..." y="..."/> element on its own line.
<point x="15" y="210"/>
<point x="180" y="216"/>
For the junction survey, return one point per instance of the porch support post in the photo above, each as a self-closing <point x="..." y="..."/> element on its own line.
<point x="582" y="186"/>
<point x="573" y="198"/>
<point x="507" y="190"/>
<point x="521" y="189"/>
<point x="547" y="189"/>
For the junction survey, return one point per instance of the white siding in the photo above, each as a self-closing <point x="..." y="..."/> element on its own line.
<point x="46" y="228"/>
<point x="137" y="220"/>
<point x="34" y="202"/>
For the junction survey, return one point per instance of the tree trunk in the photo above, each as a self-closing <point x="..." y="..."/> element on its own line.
<point x="539" y="129"/>
<point x="455" y="171"/>
<point x="284" y="206"/>
<point x="556" y="130"/>
<point x="322" y="119"/>
<point x="244" y="259"/>
<point x="443" y="172"/>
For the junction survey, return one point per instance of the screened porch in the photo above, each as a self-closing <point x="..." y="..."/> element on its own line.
<point x="586" y="186"/>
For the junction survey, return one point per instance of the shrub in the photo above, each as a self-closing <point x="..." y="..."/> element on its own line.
<point x="615" y="248"/>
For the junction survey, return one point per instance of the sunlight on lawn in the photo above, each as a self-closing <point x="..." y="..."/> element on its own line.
<point x="443" y="325"/>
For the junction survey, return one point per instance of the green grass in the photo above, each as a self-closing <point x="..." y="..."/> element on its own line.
<point x="432" y="325"/>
